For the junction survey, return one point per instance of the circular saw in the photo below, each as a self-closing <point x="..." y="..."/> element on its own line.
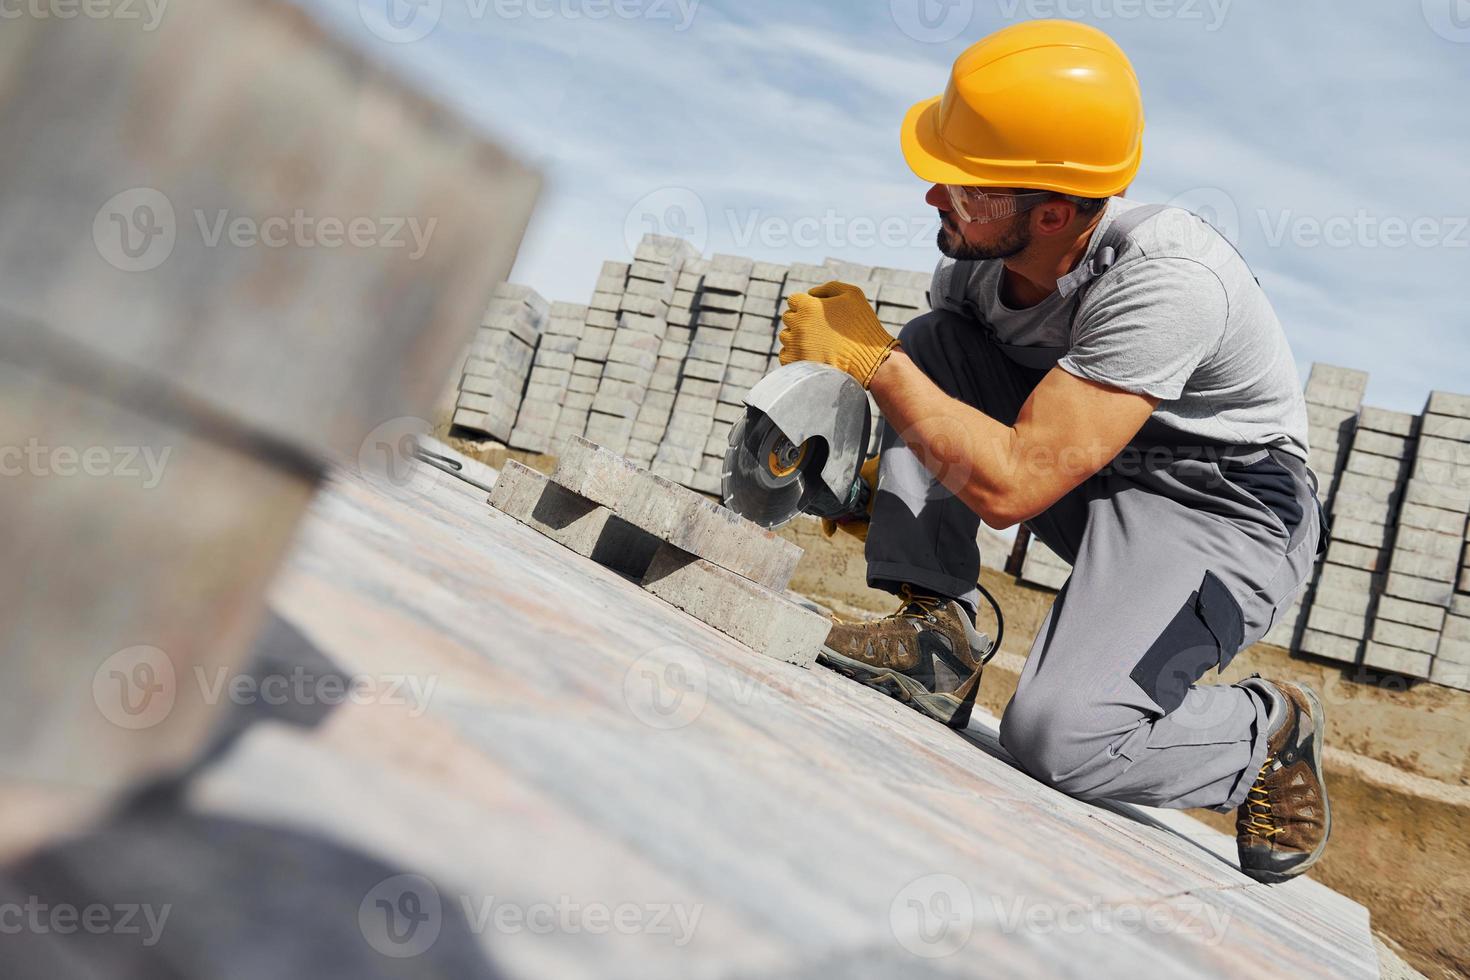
<point x="799" y="447"/>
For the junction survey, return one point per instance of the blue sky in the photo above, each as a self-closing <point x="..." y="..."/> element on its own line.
<point x="1331" y="140"/>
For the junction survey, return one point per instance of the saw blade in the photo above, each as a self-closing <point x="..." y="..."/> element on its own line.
<point x="762" y="479"/>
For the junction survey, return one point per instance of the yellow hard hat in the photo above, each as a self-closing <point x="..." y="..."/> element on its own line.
<point x="1049" y="104"/>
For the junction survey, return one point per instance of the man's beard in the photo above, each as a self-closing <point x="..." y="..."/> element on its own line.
<point x="1016" y="239"/>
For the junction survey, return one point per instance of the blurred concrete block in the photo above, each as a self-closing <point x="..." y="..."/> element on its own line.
<point x="145" y="178"/>
<point x="102" y="226"/>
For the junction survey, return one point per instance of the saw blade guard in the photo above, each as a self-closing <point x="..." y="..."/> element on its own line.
<point x="808" y="401"/>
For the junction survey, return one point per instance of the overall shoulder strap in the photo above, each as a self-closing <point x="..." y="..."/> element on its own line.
<point x="1115" y="236"/>
<point x="960" y="275"/>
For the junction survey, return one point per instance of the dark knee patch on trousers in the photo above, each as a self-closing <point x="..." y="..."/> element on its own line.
<point x="1206" y="632"/>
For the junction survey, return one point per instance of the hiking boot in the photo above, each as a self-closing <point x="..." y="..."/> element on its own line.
<point x="1281" y="829"/>
<point x="927" y="654"/>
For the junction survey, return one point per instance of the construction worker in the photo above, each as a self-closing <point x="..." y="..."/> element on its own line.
<point x="1111" y="375"/>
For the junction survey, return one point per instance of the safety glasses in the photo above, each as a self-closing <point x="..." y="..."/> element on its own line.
<point x="974" y="204"/>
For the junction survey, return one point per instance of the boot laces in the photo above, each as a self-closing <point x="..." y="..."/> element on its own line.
<point x="1259" y="820"/>
<point x="913" y="606"/>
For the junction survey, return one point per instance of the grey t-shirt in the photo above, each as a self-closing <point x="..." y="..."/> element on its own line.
<point x="1178" y="316"/>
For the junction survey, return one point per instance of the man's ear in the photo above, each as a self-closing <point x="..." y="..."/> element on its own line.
<point x="1055" y="217"/>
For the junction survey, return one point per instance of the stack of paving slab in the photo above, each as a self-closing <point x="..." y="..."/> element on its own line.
<point x="729" y="351"/>
<point x="1334" y="396"/>
<point x="1364" y="513"/>
<point x="547" y="389"/>
<point x="499" y="362"/>
<point x="657" y="364"/>
<point x="633" y="355"/>
<point x="677" y="544"/>
<point x="1428" y="552"/>
<point x="598" y="329"/>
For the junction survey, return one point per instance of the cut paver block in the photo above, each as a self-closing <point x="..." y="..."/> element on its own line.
<point x="1357" y="556"/>
<point x="1417" y="589"/>
<point x="1420" y="614"/>
<point x="1436" y="568"/>
<point x="1446" y="427"/>
<point x="1445" y="403"/>
<point x="1450" y="673"/>
<point x="1406" y="637"/>
<point x="1325" y="620"/>
<point x="1447" y="546"/>
<point x="1366" y="533"/>
<point x="1432" y="519"/>
<point x="1354" y="602"/>
<point x="574" y="522"/>
<point x="1410" y="663"/>
<point x="1331" y="646"/>
<point x="676" y="515"/>
<point x="766" y="621"/>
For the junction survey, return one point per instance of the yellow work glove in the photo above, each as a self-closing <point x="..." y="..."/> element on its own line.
<point x="857" y="526"/>
<point x="833" y="324"/>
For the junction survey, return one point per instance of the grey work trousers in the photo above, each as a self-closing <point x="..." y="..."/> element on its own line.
<point x="1182" y="555"/>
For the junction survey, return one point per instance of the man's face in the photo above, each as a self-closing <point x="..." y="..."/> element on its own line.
<point x="976" y="240"/>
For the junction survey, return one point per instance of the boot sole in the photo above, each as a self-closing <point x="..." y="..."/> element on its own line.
<point x="1319" y="722"/>
<point x="948" y="709"/>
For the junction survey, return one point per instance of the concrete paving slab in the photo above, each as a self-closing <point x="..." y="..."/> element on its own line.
<point x="575" y="523"/>
<point x="674" y="514"/>
<point x="766" y="621"/>
<point x="1395" y="660"/>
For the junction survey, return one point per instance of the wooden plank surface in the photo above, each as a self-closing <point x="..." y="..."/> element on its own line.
<point x="579" y="744"/>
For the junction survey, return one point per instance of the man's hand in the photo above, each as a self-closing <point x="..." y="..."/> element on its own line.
<point x="833" y="324"/>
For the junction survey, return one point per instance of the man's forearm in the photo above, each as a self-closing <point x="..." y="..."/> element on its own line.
<point x="970" y="453"/>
